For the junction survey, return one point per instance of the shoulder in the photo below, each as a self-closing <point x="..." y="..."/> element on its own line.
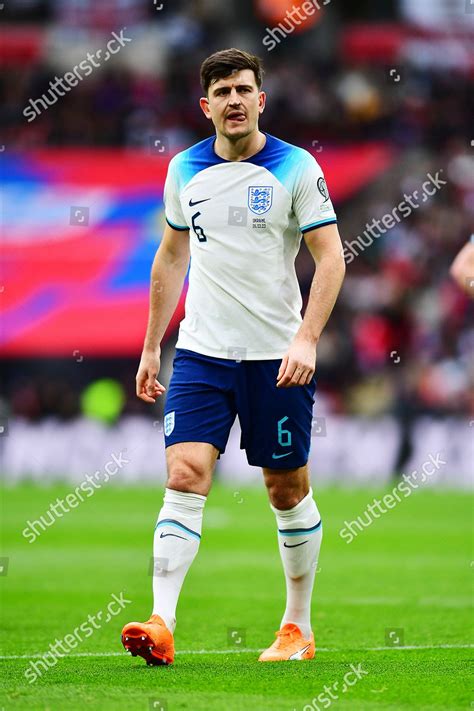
<point x="282" y="148"/>
<point x="186" y="164"/>
<point x="202" y="150"/>
<point x="286" y="161"/>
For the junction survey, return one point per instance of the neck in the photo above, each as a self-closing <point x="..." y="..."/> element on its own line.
<point x="240" y="148"/>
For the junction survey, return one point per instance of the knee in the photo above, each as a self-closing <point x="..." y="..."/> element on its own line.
<point x="286" y="488"/>
<point x="187" y="476"/>
<point x="283" y="497"/>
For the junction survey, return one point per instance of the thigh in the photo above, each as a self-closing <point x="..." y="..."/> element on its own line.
<point x="199" y="405"/>
<point x="275" y="422"/>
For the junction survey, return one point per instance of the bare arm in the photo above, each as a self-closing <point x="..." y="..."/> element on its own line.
<point x="299" y="363"/>
<point x="167" y="276"/>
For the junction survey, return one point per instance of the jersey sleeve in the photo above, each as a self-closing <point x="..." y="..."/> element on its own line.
<point x="173" y="211"/>
<point x="311" y="202"/>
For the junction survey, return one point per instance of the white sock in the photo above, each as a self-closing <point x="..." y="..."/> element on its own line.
<point x="175" y="545"/>
<point x="299" y="539"/>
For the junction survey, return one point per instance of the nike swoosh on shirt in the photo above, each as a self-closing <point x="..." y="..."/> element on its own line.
<point x="197" y="202"/>
<point x="279" y="456"/>
<point x="299" y="653"/>
<point x="295" y="546"/>
<point x="163" y="535"/>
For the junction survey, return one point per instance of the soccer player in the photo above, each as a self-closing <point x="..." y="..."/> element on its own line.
<point x="238" y="203"/>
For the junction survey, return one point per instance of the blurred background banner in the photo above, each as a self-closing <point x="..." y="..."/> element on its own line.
<point x="78" y="251"/>
<point x="95" y="100"/>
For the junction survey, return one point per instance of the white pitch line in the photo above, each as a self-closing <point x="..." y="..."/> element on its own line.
<point x="253" y="651"/>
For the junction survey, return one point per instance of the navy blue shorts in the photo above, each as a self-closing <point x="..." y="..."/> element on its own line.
<point x="205" y="395"/>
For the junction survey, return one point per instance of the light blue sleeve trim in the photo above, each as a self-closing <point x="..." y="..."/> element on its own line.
<point x="320" y="223"/>
<point x="176" y="227"/>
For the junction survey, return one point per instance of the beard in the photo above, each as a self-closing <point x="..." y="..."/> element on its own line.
<point x="236" y="135"/>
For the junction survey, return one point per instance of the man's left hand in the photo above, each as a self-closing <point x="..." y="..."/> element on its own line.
<point x="298" y="364"/>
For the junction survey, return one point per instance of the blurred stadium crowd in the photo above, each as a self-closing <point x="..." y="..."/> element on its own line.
<point x="336" y="81"/>
<point x="398" y="341"/>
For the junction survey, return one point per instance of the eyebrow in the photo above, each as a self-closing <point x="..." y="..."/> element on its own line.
<point x="239" y="86"/>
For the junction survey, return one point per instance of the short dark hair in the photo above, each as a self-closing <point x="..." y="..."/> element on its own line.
<point x="222" y="64"/>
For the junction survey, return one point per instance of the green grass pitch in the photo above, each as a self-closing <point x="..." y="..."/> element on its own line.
<point x="410" y="571"/>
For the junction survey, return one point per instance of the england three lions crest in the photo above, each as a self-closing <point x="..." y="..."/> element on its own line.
<point x="260" y="198"/>
<point x="169" y="423"/>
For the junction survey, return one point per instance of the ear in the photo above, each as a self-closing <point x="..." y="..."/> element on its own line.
<point x="262" y="100"/>
<point x="204" y="104"/>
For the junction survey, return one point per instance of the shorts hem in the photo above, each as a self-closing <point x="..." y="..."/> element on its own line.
<point x="197" y="439"/>
<point x="273" y="465"/>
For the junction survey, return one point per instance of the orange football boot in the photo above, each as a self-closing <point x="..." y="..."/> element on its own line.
<point x="151" y="640"/>
<point x="289" y="645"/>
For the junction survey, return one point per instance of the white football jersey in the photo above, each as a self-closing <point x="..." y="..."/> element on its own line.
<point x="245" y="221"/>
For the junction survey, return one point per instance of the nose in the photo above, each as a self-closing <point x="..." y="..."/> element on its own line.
<point x="234" y="98"/>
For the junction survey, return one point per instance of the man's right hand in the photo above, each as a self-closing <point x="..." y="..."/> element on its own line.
<point x="148" y="387"/>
